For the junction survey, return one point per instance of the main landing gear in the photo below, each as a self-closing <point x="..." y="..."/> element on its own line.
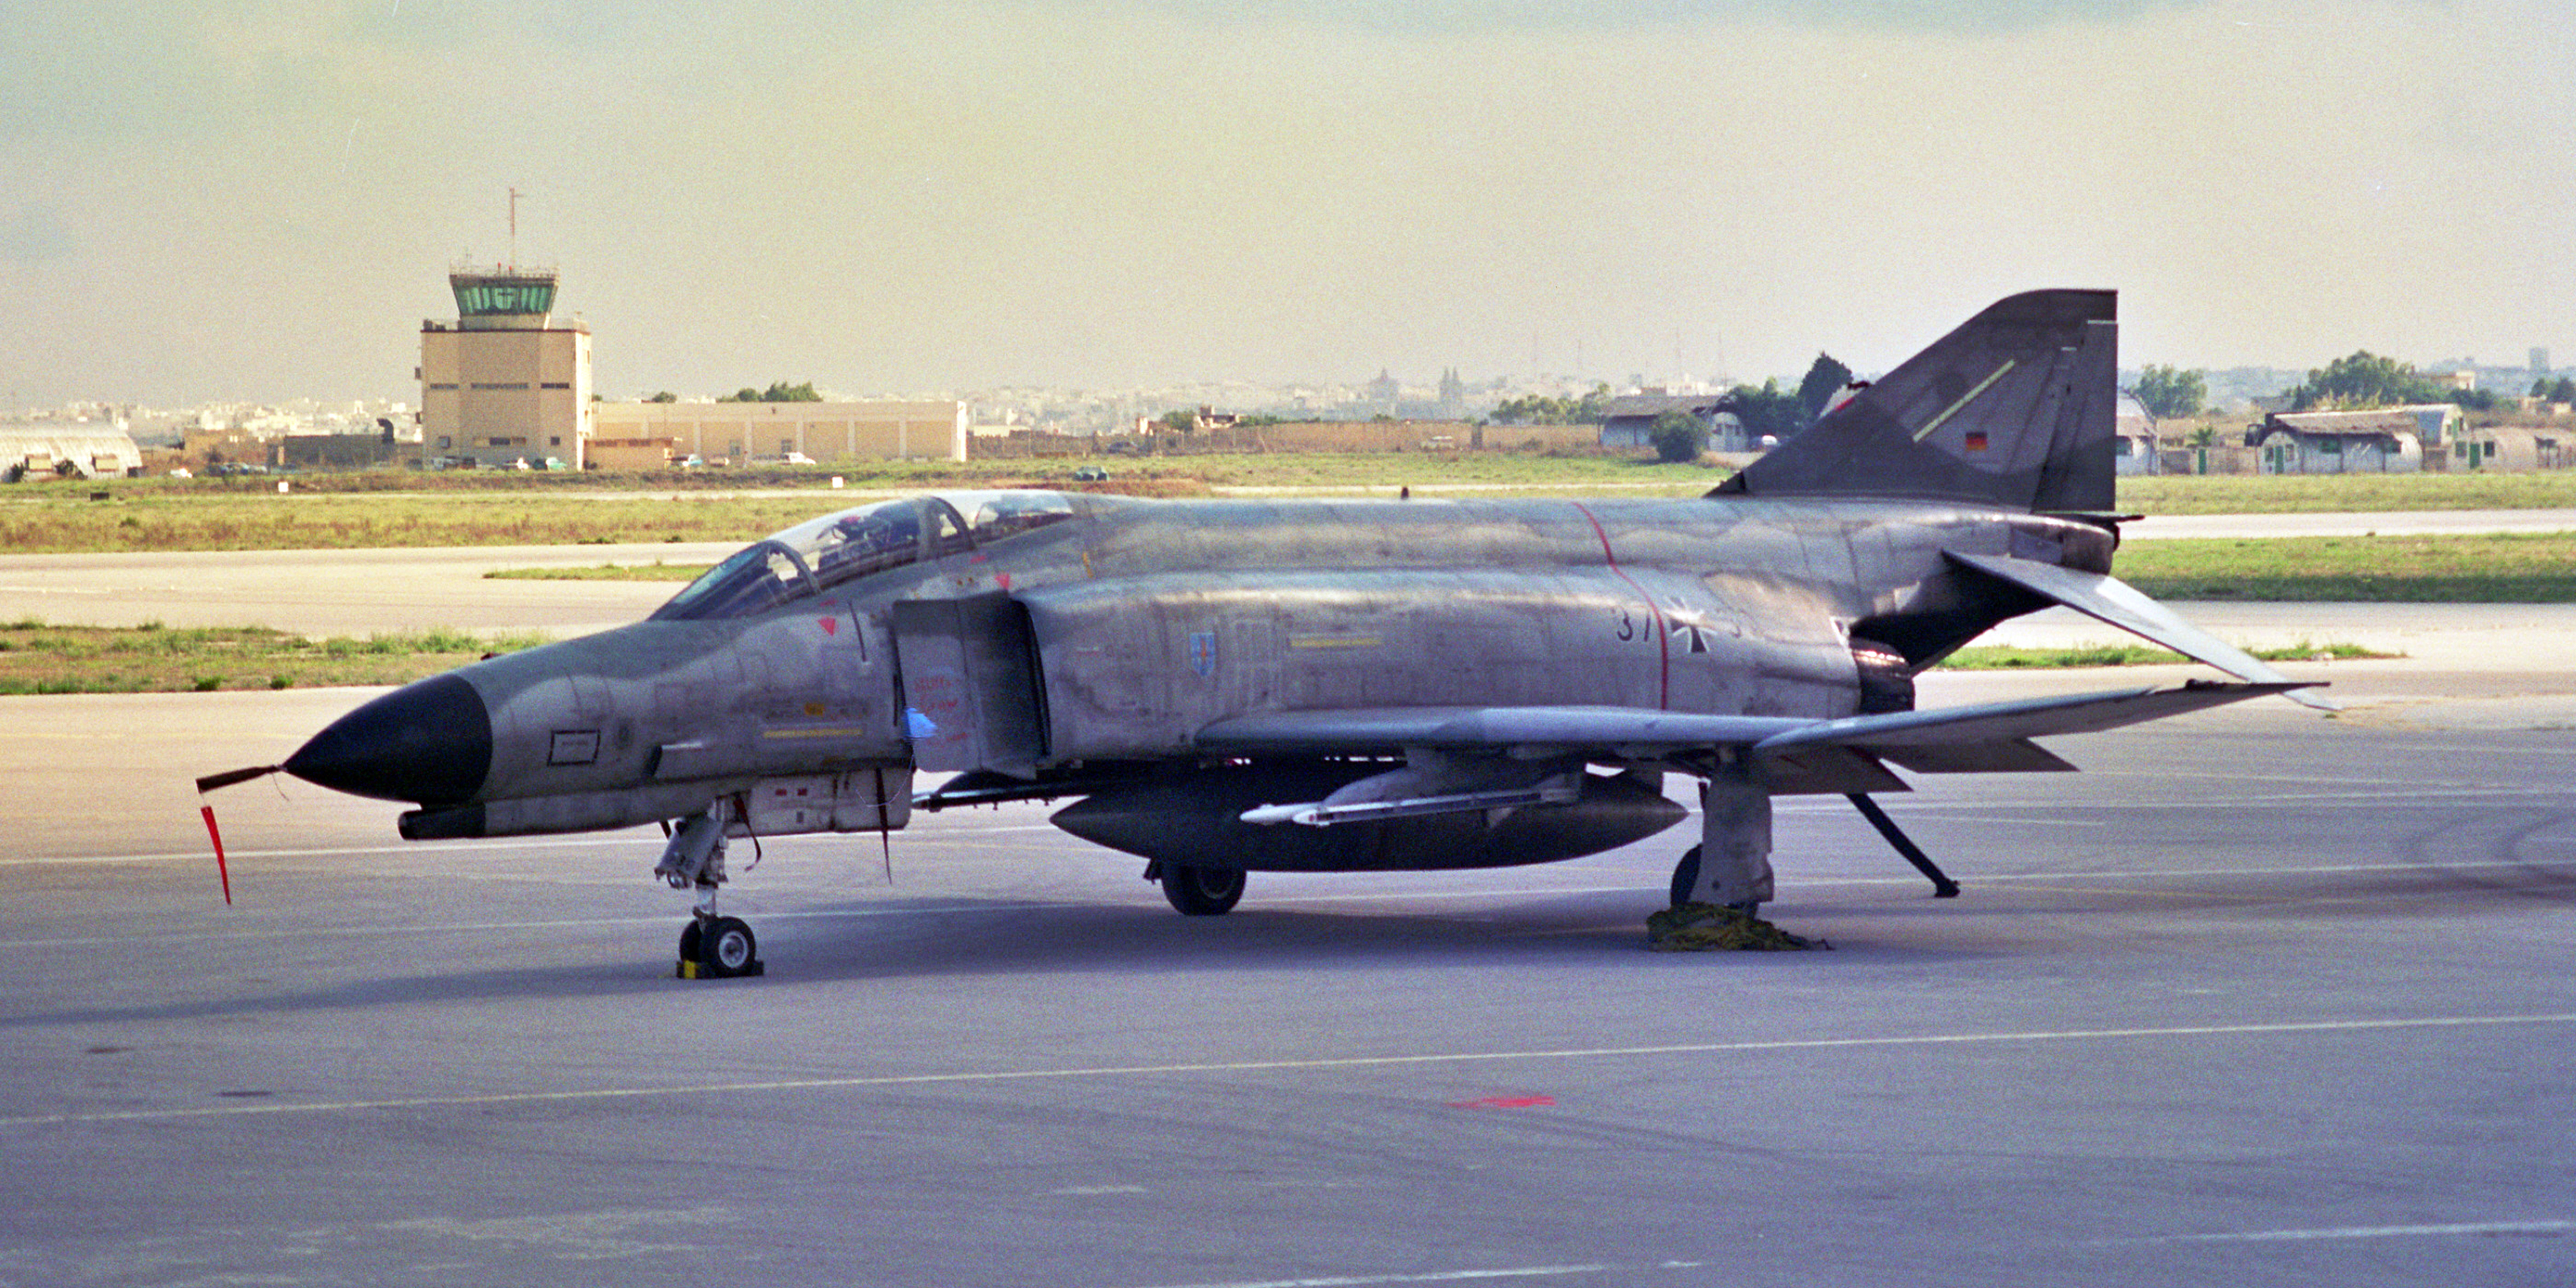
<point x="1198" y="892"/>
<point x="711" y="946"/>
<point x="1736" y="825"/>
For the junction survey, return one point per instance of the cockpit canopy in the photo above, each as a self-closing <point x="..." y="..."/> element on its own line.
<point x="819" y="554"/>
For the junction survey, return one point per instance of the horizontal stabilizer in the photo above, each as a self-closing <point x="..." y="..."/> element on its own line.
<point x="1946" y="732"/>
<point x="2108" y="599"/>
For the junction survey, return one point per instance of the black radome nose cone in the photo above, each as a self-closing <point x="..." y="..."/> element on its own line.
<point x="430" y="743"/>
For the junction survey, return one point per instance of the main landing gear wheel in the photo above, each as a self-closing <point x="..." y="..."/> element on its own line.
<point x="1686" y="876"/>
<point x="1202" y="892"/>
<point x="719" y="948"/>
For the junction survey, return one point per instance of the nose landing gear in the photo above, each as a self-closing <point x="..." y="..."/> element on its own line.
<point x="711" y="946"/>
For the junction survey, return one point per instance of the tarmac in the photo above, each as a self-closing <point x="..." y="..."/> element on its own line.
<point x="2260" y="997"/>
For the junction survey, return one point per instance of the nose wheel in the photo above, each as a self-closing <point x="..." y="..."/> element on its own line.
<point x="718" y="948"/>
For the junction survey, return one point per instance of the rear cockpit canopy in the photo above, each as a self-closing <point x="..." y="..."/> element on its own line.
<point x="819" y="554"/>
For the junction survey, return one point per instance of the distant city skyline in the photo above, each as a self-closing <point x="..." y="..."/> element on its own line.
<point x="215" y="206"/>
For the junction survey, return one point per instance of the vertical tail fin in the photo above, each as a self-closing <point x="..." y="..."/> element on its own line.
<point x="2012" y="409"/>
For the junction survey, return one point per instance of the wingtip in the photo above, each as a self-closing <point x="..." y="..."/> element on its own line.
<point x="2314" y="701"/>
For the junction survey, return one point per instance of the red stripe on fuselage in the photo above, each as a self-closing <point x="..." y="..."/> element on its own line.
<point x="1663" y="636"/>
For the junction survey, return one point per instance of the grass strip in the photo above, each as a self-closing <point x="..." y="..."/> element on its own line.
<point x="2324" y="493"/>
<point x="2006" y="657"/>
<point x="36" y="658"/>
<point x="655" y="571"/>
<point x="2499" y="568"/>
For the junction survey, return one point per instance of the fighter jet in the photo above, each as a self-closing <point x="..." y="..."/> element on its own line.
<point x="1224" y="687"/>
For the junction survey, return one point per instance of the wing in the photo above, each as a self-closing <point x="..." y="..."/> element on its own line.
<point x="1789" y="755"/>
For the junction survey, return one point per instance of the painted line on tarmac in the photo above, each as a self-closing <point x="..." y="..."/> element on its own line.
<point x="1446" y="1276"/>
<point x="988" y="1077"/>
<point x="2477" y="1229"/>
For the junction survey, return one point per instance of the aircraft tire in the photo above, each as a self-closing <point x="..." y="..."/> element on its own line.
<point x="1685" y="876"/>
<point x="689" y="939"/>
<point x="1202" y="892"/>
<point x="726" y="948"/>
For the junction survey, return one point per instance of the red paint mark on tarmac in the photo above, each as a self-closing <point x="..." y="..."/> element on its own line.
<point x="1506" y="1102"/>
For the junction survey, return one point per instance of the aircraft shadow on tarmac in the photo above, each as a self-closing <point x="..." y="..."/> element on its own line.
<point x="931" y="936"/>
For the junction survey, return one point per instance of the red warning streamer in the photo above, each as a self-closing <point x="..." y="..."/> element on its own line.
<point x="222" y="872"/>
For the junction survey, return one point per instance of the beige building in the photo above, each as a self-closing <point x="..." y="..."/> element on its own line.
<point x="504" y="383"/>
<point x="740" y="433"/>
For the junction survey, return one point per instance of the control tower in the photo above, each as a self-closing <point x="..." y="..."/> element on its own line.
<point x="504" y="383"/>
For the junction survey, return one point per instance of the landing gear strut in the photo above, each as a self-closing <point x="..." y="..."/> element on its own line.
<point x="711" y="946"/>
<point x="1942" y="886"/>
<point x="1731" y="865"/>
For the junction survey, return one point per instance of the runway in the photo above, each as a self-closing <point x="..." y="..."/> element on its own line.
<point x="2261" y="997"/>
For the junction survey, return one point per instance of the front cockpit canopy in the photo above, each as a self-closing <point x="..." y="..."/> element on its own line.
<point x="819" y="554"/>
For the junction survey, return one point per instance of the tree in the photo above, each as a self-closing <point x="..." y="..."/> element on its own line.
<point x="1539" y="409"/>
<point x="1678" y="436"/>
<point x="666" y="396"/>
<point x="2362" y="381"/>
<point x="1766" y="412"/>
<point x="779" y="391"/>
<point x="2170" y="394"/>
<point x="1825" y="378"/>
<point x="1180" y="422"/>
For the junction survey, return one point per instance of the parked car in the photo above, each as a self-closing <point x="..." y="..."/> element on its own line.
<point x="1090" y="474"/>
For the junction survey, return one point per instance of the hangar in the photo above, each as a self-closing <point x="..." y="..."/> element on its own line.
<point x="71" y="449"/>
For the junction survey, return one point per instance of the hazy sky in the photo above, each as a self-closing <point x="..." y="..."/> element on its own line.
<point x="259" y="200"/>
